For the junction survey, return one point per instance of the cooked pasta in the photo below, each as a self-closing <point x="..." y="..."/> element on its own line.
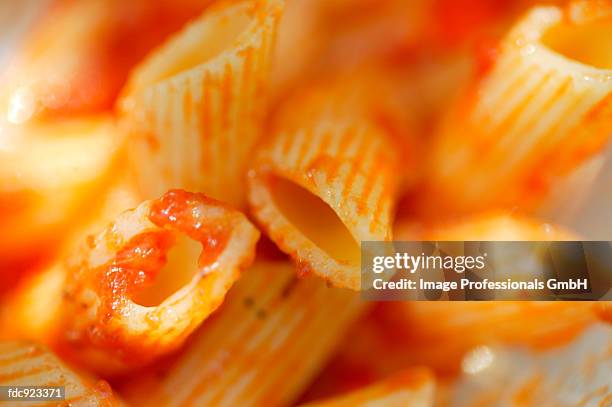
<point x="81" y="67"/>
<point x="135" y="299"/>
<point x="417" y="334"/>
<point x="541" y="325"/>
<point x="541" y="111"/>
<point x="28" y="364"/>
<point x="325" y="181"/>
<point x="487" y="226"/>
<point x="141" y="141"/>
<point x="268" y="340"/>
<point x="413" y="388"/>
<point x="32" y="309"/>
<point x="604" y="311"/>
<point x="194" y="109"/>
<point x="48" y="174"/>
<point x="44" y="76"/>
<point x="575" y="375"/>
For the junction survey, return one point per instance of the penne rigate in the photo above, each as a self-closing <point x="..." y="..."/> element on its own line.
<point x="315" y="203"/>
<point x="268" y="340"/>
<point x="539" y="112"/>
<point x="48" y="173"/>
<point x="325" y="181"/>
<point x="414" y="388"/>
<point x="134" y="297"/>
<point x="194" y="109"/>
<point x="31" y="365"/>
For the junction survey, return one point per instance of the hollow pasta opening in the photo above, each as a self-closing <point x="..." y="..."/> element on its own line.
<point x="315" y="220"/>
<point x="588" y="43"/>
<point x="179" y="270"/>
<point x="201" y="43"/>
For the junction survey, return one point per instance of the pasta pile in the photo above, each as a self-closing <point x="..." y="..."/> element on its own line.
<point x="185" y="187"/>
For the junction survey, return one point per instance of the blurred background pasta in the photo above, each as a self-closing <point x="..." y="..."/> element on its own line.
<point x="185" y="185"/>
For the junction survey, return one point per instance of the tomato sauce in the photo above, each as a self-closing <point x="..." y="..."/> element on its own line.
<point x="186" y="212"/>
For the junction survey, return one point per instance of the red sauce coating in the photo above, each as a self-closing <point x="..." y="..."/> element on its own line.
<point x="487" y="52"/>
<point x="134" y="266"/>
<point x="604" y="311"/>
<point x="457" y="21"/>
<point x="186" y="212"/>
<point x="137" y="263"/>
<point x="13" y="202"/>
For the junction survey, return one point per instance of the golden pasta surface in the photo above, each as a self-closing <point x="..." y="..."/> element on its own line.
<point x="27" y="364"/>
<point x="325" y="182"/>
<point x="194" y="109"/>
<point x="197" y="198"/>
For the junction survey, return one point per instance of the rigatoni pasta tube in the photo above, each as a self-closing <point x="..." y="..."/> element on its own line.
<point x="414" y="388"/>
<point x="541" y="111"/>
<point x="128" y="299"/>
<point x="325" y="181"/>
<point x="271" y="336"/>
<point x="32" y="365"/>
<point x="194" y="108"/>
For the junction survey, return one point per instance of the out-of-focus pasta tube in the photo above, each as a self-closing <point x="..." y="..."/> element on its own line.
<point x="414" y="388"/>
<point x="27" y="364"/>
<point x="194" y="108"/>
<point x="129" y="299"/>
<point x="32" y="309"/>
<point x="541" y="325"/>
<point x="604" y="311"/>
<point x="49" y="173"/>
<point x="494" y="226"/>
<point x="490" y="226"/>
<point x="406" y="332"/>
<point x="268" y="340"/>
<point x="536" y="323"/>
<point x="409" y="337"/>
<point x="541" y="111"/>
<point x="326" y="181"/>
<point x="78" y="56"/>
<point x="577" y="374"/>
